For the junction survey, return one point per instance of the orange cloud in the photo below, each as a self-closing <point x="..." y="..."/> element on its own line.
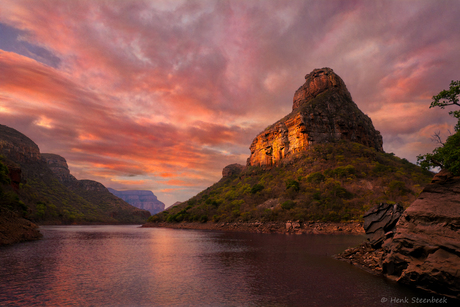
<point x="166" y="97"/>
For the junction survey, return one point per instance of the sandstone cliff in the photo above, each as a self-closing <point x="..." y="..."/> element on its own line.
<point x="141" y="199"/>
<point x="323" y="111"/>
<point x="425" y="251"/>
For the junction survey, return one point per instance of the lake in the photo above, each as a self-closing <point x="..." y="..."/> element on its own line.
<point x="131" y="266"/>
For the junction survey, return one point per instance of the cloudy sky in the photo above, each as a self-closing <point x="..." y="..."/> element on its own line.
<point x="161" y="95"/>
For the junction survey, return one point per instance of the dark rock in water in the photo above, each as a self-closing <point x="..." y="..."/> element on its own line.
<point x="425" y="250"/>
<point x="380" y="222"/>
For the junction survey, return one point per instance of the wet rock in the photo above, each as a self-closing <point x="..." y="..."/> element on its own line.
<point x="380" y="222"/>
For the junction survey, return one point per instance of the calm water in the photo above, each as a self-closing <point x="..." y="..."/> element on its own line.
<point x="131" y="266"/>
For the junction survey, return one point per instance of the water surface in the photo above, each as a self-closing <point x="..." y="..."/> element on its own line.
<point x="132" y="266"/>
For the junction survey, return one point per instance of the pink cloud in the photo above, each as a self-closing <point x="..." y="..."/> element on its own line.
<point x="177" y="90"/>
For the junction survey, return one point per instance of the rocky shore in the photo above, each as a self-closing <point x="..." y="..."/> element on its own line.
<point x="423" y="250"/>
<point x="14" y="229"/>
<point x="289" y="227"/>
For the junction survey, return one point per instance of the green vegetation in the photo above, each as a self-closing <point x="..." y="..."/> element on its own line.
<point x="329" y="182"/>
<point x="41" y="198"/>
<point x="446" y="156"/>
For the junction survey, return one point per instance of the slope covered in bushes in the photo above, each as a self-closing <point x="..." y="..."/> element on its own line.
<point x="329" y="182"/>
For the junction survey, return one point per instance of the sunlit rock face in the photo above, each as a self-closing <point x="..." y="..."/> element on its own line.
<point x="323" y="111"/>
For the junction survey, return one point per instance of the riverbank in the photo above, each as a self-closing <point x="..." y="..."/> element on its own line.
<point x="289" y="227"/>
<point x="14" y="229"/>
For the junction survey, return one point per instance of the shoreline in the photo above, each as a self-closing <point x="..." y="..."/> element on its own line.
<point x="289" y="227"/>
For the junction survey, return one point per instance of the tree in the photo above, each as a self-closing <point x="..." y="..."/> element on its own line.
<point x="446" y="156"/>
<point x="449" y="98"/>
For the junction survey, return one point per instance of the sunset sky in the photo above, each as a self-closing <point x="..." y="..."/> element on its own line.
<point x="161" y="95"/>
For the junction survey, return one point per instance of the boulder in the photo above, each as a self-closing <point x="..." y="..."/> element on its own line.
<point x="380" y="222"/>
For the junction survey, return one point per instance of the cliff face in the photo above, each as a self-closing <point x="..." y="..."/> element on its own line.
<point x="59" y="166"/>
<point x="425" y="251"/>
<point x="17" y="147"/>
<point x="323" y="111"/>
<point x="141" y="199"/>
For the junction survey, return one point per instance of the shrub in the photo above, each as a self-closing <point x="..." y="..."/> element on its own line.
<point x="203" y="219"/>
<point x="4" y="178"/>
<point x="288" y="204"/>
<point x="398" y="188"/>
<point x="292" y="184"/>
<point x="316" y="177"/>
<point x="257" y="188"/>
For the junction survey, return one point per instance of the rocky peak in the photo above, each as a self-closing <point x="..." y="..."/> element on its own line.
<point x="317" y="82"/>
<point x="323" y="112"/>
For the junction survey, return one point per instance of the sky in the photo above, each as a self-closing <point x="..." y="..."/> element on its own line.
<point x="161" y="95"/>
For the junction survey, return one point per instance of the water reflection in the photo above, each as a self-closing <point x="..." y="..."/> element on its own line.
<point x="131" y="266"/>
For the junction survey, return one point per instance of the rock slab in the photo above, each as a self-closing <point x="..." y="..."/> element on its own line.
<point x="425" y="250"/>
<point x="380" y="222"/>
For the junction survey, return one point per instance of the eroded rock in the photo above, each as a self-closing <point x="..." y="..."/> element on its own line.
<point x="323" y="111"/>
<point x="425" y="250"/>
<point x="380" y="222"/>
<point x="232" y="170"/>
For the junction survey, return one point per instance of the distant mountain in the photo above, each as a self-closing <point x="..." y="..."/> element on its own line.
<point x="142" y="199"/>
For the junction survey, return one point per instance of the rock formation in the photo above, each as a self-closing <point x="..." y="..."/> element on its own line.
<point x="425" y="250"/>
<point x="380" y="222"/>
<point x="142" y="199"/>
<point x="60" y="168"/>
<point x="323" y="111"/>
<point x="232" y="169"/>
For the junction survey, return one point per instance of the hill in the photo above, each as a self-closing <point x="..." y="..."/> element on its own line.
<point x="322" y="162"/>
<point x="329" y="182"/>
